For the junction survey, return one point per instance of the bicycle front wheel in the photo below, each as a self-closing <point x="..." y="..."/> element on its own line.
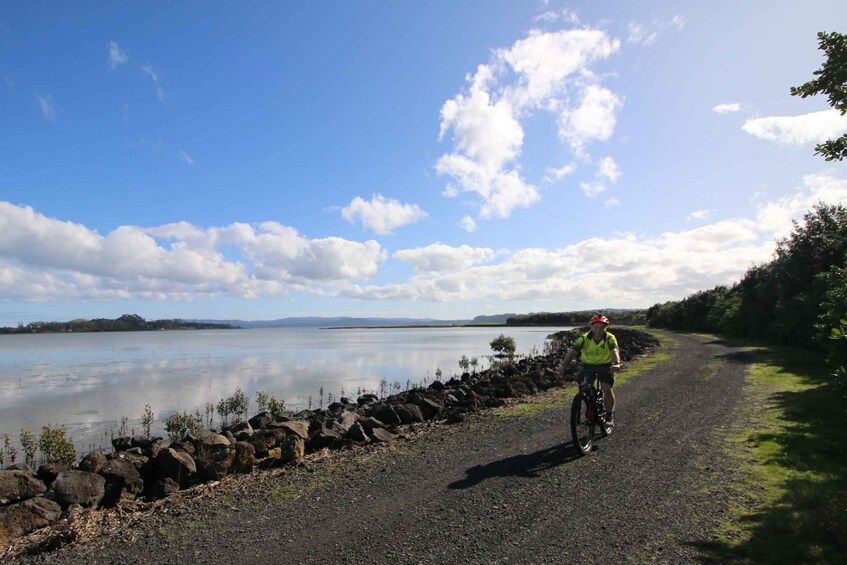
<point x="582" y="427"/>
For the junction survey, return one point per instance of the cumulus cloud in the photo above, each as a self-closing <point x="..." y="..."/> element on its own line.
<point x="727" y="108"/>
<point x="539" y="73"/>
<point x="173" y="261"/>
<point x="116" y="56"/>
<point x="48" y="107"/>
<point x="796" y="130"/>
<point x="440" y="258"/>
<point x="468" y="224"/>
<point x="611" y="202"/>
<point x="382" y="215"/>
<point x="148" y="70"/>
<point x="699" y="214"/>
<point x="608" y="170"/>
<point x="555" y="174"/>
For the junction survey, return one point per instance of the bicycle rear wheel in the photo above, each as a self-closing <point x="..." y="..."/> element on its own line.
<point x="582" y="428"/>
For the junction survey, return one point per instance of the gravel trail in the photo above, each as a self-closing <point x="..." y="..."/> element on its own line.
<point x="493" y="489"/>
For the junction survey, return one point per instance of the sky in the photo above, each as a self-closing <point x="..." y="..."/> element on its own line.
<point x="438" y="159"/>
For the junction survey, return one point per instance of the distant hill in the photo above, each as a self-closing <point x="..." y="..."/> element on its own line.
<point x="335" y="322"/>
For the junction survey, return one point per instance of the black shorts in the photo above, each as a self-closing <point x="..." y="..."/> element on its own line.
<point x="587" y="372"/>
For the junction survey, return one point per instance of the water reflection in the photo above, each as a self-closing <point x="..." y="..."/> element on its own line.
<point x="88" y="382"/>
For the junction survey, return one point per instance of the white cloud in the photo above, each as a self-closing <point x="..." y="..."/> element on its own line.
<point x="593" y="120"/>
<point x="537" y="73"/>
<point x="382" y="215"/>
<point x="608" y="170"/>
<point x="592" y="189"/>
<point x="699" y="214"/>
<point x="468" y="224"/>
<point x="612" y="202"/>
<point x="646" y="34"/>
<point x="148" y="70"/>
<point x="440" y="258"/>
<point x="48" y="107"/>
<point x="795" y="130"/>
<point x="727" y="108"/>
<point x="116" y="56"/>
<point x="555" y="174"/>
<point x="183" y="154"/>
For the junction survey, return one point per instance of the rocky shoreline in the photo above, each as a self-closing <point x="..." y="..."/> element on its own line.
<point x="141" y="470"/>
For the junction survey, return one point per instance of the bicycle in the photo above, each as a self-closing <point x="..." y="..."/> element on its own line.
<point x="588" y="414"/>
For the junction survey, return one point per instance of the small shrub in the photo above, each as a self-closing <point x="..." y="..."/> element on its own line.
<point x="147" y="420"/>
<point x="29" y="446"/>
<point x="262" y="400"/>
<point x="55" y="446"/>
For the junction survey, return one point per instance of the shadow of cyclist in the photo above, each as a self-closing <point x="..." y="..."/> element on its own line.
<point x="525" y="465"/>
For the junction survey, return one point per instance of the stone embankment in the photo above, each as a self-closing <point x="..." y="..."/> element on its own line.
<point x="147" y="469"/>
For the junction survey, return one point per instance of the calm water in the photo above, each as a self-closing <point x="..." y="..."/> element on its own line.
<point x="88" y="382"/>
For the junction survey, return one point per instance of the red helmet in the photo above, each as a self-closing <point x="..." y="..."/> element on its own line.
<point x="598" y="319"/>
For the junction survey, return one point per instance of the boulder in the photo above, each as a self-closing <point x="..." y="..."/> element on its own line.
<point x="79" y="487"/>
<point x="245" y="458"/>
<point x="299" y="428"/>
<point x="370" y="423"/>
<point x="92" y="462"/>
<point x="175" y="465"/>
<point x="165" y="487"/>
<point x="49" y="471"/>
<point x="122" y="443"/>
<point x="366" y="399"/>
<point x="357" y="433"/>
<point x="123" y="473"/>
<point x="293" y="449"/>
<point x="262" y="442"/>
<point x="19" y="485"/>
<point x="409" y="413"/>
<point x="210" y="439"/>
<point x="381" y="435"/>
<point x="261" y="420"/>
<point x="24" y="517"/>
<point x="386" y="414"/>
<point x="214" y="462"/>
<point x="324" y="438"/>
<point x="240" y="427"/>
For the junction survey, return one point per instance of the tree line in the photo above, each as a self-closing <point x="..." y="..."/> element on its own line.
<point x="799" y="298"/>
<point x="579" y="318"/>
<point x="126" y="323"/>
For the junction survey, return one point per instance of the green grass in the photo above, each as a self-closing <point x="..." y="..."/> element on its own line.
<point x="789" y="502"/>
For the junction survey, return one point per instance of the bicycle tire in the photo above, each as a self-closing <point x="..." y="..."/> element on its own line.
<point x="582" y="432"/>
<point x="605" y="429"/>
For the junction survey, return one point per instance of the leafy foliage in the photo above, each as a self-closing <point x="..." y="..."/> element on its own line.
<point x="579" y="318"/>
<point x="503" y="346"/>
<point x="832" y="81"/>
<point x="798" y="298"/>
<point x="126" y="323"/>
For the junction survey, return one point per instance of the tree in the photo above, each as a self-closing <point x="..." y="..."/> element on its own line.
<point x="832" y="81"/>
<point x="503" y="346"/>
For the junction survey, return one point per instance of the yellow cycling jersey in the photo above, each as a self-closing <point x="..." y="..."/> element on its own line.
<point x="596" y="353"/>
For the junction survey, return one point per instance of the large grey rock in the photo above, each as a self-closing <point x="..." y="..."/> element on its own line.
<point x="324" y="438"/>
<point x="381" y="435"/>
<point x="79" y="487"/>
<point x="123" y="473"/>
<point x="357" y="433"/>
<point x="92" y="462"/>
<point x="19" y="485"/>
<point x="241" y="428"/>
<point x="409" y="413"/>
<point x="261" y="420"/>
<point x="175" y="465"/>
<point x="299" y="428"/>
<point x="49" y="471"/>
<point x="24" y="517"/>
<point x="386" y="414"/>
<point x="245" y="458"/>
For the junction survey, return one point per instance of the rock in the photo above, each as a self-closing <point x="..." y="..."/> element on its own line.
<point x="299" y="428"/>
<point x="357" y="433"/>
<point x="210" y="439"/>
<point x="175" y="465"/>
<point x="49" y="471"/>
<point x="245" y="458"/>
<point x="165" y="487"/>
<point x="122" y="443"/>
<point x="214" y="462"/>
<point x="430" y="407"/>
<point x="293" y="449"/>
<point x="122" y="472"/>
<point x="386" y="414"/>
<point x="92" y="462"/>
<point x="381" y="435"/>
<point x="453" y="415"/>
<point x="437" y="385"/>
<point x="366" y="399"/>
<point x="262" y="442"/>
<point x="79" y="487"/>
<point x="20" y="519"/>
<point x="240" y="427"/>
<point x="370" y="423"/>
<point x="261" y="420"/>
<point x="344" y="420"/>
<point x="324" y="438"/>
<point x="19" y="485"/>
<point x="409" y="413"/>
<point x="142" y="442"/>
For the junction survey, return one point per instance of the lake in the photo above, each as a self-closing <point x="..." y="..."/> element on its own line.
<point x="89" y="381"/>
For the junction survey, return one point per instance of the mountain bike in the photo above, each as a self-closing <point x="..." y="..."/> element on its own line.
<point x="588" y="415"/>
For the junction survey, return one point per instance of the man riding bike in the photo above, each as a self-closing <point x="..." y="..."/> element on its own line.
<point x="600" y="355"/>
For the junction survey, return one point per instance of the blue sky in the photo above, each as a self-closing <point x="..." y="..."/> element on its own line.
<point x="430" y="159"/>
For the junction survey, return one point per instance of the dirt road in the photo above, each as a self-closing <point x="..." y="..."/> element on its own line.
<point x="495" y="489"/>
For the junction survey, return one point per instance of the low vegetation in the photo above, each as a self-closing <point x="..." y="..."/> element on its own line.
<point x="126" y="323"/>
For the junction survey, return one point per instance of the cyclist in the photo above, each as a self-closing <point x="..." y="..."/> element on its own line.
<point x="599" y="353"/>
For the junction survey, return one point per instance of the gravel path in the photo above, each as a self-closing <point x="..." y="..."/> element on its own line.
<point x="494" y="489"/>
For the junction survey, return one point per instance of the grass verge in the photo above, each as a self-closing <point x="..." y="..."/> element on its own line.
<point x="789" y="495"/>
